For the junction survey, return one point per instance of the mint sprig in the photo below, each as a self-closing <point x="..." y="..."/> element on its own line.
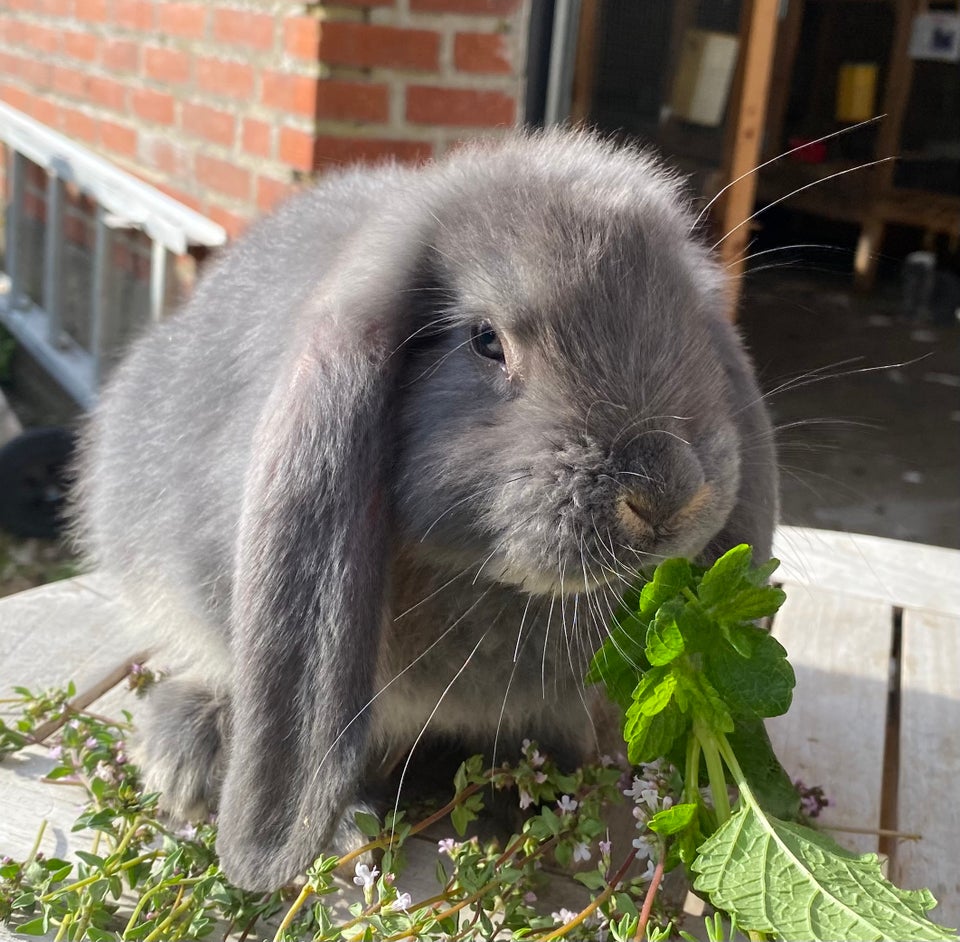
<point x="695" y="678"/>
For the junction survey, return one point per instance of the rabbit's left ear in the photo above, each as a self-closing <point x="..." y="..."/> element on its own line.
<point x="310" y="575"/>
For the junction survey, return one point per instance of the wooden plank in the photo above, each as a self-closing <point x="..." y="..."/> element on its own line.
<point x="758" y="35"/>
<point x="930" y="760"/>
<point x="59" y="632"/>
<point x="833" y="735"/>
<point x="905" y="575"/>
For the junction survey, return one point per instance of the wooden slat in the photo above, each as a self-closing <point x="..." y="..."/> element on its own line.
<point x="930" y="760"/>
<point x="833" y="735"/>
<point x="60" y="632"/>
<point x="905" y="575"/>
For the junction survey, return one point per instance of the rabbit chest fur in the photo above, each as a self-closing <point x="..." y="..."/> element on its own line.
<point x="391" y="466"/>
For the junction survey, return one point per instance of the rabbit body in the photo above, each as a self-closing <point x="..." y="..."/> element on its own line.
<point x="393" y="462"/>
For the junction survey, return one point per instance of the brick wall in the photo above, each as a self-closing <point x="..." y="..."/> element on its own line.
<point x="227" y="104"/>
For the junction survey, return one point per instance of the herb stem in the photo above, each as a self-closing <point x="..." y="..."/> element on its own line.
<point x="649" y="898"/>
<point x="295" y="907"/>
<point x="712" y="746"/>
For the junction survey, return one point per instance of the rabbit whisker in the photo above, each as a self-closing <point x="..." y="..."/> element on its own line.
<point x="433" y="713"/>
<point x="790" y="195"/>
<point x="398" y="675"/>
<point x="772" y="160"/>
<point x="473" y="496"/>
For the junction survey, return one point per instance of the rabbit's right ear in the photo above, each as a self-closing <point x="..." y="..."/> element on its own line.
<point x="309" y="596"/>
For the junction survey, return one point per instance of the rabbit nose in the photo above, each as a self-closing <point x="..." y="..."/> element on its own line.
<point x="635" y="516"/>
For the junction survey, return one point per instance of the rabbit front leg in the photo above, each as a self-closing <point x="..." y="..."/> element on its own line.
<point x="182" y="736"/>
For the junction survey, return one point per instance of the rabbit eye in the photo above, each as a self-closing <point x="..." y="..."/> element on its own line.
<point x="486" y="342"/>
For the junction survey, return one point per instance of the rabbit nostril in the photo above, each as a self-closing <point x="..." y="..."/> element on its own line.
<point x="634" y="517"/>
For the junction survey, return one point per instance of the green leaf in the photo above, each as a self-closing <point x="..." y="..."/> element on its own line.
<point x="749" y="603"/>
<point x="655" y="690"/>
<point x="673" y="819"/>
<point x="797" y="884"/>
<point x="36" y="926"/>
<point x="650" y="737"/>
<point x="368" y="824"/>
<point x="669" y="580"/>
<point x="704" y="701"/>
<point x="664" y="640"/>
<point x="766" y="777"/>
<point x="761" y="684"/>
<point x="591" y="879"/>
<point x="725" y="575"/>
<point x="620" y="660"/>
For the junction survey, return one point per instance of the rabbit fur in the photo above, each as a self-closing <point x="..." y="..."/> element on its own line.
<point x="392" y="463"/>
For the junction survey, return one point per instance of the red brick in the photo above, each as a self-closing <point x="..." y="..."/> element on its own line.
<point x="459" y="107"/>
<point x="330" y="151"/>
<point x="256" y="137"/>
<point x="232" y="79"/>
<point x="117" y="138"/>
<point x="34" y="72"/>
<point x="107" y="92"/>
<point x="41" y="39"/>
<point x="166" y="65"/>
<point x="270" y="192"/>
<point x="152" y="106"/>
<point x="69" y="82"/>
<point x="78" y="125"/>
<point x="94" y="11"/>
<point x="296" y="148"/>
<point x="352" y="101"/>
<point x="133" y="14"/>
<point x="182" y="19"/>
<point x="301" y="37"/>
<point x="294" y="94"/>
<point x="223" y="177"/>
<point x="120" y="55"/>
<point x="364" y="46"/>
<point x="16" y="97"/>
<point x="239" y="28"/>
<point x="209" y="123"/>
<point x="82" y="46"/>
<point x="169" y="157"/>
<point x="43" y="110"/>
<point x="57" y="7"/>
<point x="233" y="223"/>
<point x="175" y="193"/>
<point x="495" y="7"/>
<point x="481" y="52"/>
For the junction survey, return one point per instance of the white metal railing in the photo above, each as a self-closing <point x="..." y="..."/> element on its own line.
<point x="122" y="203"/>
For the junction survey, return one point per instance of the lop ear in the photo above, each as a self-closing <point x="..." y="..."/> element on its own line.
<point x="309" y="591"/>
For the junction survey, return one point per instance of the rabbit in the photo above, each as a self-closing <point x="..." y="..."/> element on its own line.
<point x="390" y="467"/>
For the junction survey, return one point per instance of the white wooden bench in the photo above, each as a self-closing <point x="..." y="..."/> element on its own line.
<point x="872" y="627"/>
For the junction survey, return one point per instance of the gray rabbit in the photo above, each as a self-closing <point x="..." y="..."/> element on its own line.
<point x="392" y="465"/>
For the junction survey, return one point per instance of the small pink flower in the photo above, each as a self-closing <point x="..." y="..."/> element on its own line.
<point x="581" y="852"/>
<point x="447" y="846"/>
<point x="567" y="805"/>
<point x="526" y="799"/>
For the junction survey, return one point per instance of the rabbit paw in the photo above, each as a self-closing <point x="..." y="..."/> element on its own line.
<point x="180" y="747"/>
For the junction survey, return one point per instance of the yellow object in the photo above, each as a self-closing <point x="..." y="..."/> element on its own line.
<point x="856" y="91"/>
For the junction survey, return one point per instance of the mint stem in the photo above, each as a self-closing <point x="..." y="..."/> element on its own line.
<point x="711" y="745"/>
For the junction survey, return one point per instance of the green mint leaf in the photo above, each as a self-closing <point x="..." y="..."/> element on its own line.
<point x="723" y="578"/>
<point x="760" y="575"/>
<point x="651" y="736"/>
<point x="797" y="884"/>
<point x="669" y="580"/>
<point x="655" y="691"/>
<point x="673" y="820"/>
<point x="749" y="603"/>
<point x="761" y="684"/>
<point x="664" y="639"/>
<point x="768" y="780"/>
<point x="620" y="660"/>
<point x="704" y="702"/>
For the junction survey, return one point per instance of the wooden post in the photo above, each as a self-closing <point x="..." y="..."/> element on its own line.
<point x="758" y="34"/>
